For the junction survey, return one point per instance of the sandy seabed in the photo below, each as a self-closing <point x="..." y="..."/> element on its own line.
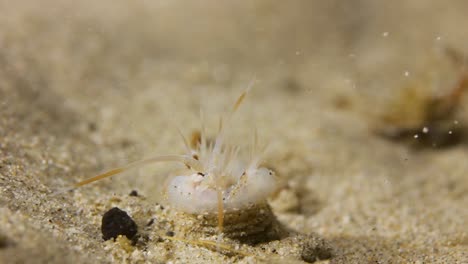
<point x="88" y="86"/>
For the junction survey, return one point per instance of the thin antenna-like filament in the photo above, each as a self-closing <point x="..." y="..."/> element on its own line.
<point x="220" y="212"/>
<point x="100" y="176"/>
<point x="254" y="145"/>
<point x="174" y="158"/>
<point x="241" y="98"/>
<point x="239" y="101"/>
<point x="184" y="139"/>
<point x="202" y="132"/>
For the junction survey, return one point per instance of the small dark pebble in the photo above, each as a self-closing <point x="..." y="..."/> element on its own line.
<point x="133" y="193"/>
<point x="116" y="222"/>
<point x="170" y="233"/>
<point x="150" y="222"/>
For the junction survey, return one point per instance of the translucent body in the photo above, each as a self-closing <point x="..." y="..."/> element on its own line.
<point x="196" y="194"/>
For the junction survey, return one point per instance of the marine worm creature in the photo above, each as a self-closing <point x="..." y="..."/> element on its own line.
<point x="229" y="192"/>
